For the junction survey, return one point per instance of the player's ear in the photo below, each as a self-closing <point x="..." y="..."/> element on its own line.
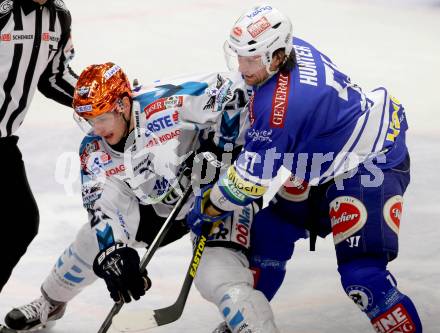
<point x="126" y="106"/>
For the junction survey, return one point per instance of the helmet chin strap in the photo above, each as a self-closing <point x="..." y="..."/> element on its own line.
<point x="127" y="127"/>
<point x="270" y="72"/>
<point x="121" y="144"/>
<point x="127" y="121"/>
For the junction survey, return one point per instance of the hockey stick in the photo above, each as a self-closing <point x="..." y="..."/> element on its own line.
<point x="149" y="254"/>
<point x="142" y="321"/>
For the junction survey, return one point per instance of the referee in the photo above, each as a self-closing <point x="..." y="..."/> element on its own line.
<point x="35" y="50"/>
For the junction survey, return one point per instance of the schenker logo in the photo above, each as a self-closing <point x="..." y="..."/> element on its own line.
<point x="280" y="101"/>
<point x="347" y="215"/>
<point x="47" y="37"/>
<point x="5" y="37"/>
<point x="9" y="37"/>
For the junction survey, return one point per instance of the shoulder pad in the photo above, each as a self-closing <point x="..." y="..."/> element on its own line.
<point x="5" y="7"/>
<point x="93" y="156"/>
<point x="60" y="5"/>
<point x="90" y="144"/>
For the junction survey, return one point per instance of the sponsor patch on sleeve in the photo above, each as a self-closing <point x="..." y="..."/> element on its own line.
<point x="238" y="190"/>
<point x="246" y="187"/>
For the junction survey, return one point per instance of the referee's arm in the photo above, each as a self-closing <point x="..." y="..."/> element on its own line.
<point x="58" y="80"/>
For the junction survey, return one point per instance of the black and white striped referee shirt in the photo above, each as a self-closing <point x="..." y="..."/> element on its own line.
<point x="35" y="49"/>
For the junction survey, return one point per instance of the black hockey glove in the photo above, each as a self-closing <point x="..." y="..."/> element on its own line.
<point x="118" y="265"/>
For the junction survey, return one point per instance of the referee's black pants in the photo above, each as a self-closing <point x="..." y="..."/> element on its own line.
<point x="19" y="217"/>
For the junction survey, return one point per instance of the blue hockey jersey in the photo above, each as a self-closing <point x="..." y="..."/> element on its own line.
<point x="315" y="122"/>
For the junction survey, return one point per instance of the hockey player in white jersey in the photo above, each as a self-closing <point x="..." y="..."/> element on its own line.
<point x="134" y="162"/>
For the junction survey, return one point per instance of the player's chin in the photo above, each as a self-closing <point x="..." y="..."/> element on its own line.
<point x="250" y="79"/>
<point x="111" y="139"/>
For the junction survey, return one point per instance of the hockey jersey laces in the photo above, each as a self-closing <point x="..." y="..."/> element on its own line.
<point x="40" y="308"/>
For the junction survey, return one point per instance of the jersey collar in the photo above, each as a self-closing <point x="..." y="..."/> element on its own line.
<point x="29" y="5"/>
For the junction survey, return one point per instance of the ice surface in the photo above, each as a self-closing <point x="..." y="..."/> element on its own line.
<point x="389" y="43"/>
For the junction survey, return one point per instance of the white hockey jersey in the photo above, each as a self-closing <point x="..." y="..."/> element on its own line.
<point x="172" y="119"/>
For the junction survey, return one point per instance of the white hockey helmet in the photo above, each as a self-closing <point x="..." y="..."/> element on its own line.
<point x="259" y="32"/>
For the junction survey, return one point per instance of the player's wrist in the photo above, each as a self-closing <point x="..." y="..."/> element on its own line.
<point x="212" y="211"/>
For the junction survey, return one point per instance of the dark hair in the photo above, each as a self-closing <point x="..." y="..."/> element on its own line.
<point x="125" y="94"/>
<point x="290" y="61"/>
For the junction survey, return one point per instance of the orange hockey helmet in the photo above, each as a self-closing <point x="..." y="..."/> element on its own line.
<point x="98" y="89"/>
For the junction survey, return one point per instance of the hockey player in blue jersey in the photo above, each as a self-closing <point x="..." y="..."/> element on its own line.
<point x="348" y="160"/>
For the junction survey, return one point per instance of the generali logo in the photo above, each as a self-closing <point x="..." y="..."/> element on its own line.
<point x="251" y="109"/>
<point x="280" y="101"/>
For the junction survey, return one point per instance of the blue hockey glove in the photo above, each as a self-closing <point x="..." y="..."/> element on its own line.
<point x="196" y="217"/>
<point x="118" y="265"/>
